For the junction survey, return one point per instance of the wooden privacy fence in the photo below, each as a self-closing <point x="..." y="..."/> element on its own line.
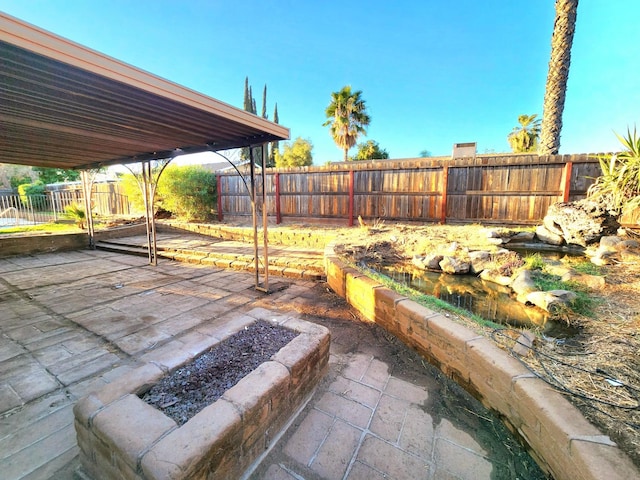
<point x="508" y="189"/>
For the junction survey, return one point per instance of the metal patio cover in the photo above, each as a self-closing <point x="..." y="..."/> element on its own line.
<point x="66" y="106"/>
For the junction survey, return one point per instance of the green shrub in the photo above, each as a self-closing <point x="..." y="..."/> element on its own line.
<point x="131" y="189"/>
<point x="27" y="190"/>
<point x="189" y="192"/>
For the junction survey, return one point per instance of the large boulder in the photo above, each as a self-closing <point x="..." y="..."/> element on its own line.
<point x="580" y="223"/>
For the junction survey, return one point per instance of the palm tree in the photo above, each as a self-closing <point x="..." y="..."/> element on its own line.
<point x="556" y="88"/>
<point x="346" y="117"/>
<point x="525" y="137"/>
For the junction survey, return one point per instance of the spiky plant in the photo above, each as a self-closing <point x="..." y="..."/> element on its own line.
<point x="77" y="213"/>
<point x="619" y="184"/>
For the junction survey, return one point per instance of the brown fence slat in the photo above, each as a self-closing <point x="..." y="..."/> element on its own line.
<point x="514" y="189"/>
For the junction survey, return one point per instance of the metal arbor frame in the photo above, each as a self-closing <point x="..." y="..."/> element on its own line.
<point x="251" y="188"/>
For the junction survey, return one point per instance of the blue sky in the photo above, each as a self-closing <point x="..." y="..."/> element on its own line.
<point x="433" y="72"/>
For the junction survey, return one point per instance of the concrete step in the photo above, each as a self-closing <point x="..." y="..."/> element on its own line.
<point x="281" y="266"/>
<point x="122" y="248"/>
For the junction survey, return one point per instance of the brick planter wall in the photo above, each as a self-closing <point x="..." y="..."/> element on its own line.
<point x="122" y="437"/>
<point x="563" y="442"/>
<point x="20" y="244"/>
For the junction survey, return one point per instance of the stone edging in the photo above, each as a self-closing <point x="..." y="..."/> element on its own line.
<point x="563" y="442"/>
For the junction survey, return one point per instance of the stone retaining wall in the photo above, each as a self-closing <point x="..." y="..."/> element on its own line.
<point x="15" y="244"/>
<point x="315" y="238"/>
<point x="563" y="442"/>
<point x="122" y="437"/>
<point x="29" y="244"/>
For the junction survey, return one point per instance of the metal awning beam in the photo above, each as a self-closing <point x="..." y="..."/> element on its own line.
<point x="64" y="105"/>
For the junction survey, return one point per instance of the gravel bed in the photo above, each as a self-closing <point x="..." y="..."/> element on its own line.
<point x="187" y="390"/>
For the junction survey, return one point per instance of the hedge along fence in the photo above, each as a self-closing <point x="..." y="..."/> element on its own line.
<point x="505" y="189"/>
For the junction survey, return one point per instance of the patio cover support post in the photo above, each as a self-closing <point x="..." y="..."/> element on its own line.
<point x="87" y="191"/>
<point x="148" y="212"/>
<point x="254" y="215"/>
<point x="251" y="188"/>
<point x="264" y="218"/>
<point x="148" y="184"/>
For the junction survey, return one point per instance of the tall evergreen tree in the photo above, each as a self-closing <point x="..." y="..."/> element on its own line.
<point x="247" y="95"/>
<point x="249" y="105"/>
<point x="264" y="102"/>
<point x="253" y="108"/>
<point x="275" y="146"/>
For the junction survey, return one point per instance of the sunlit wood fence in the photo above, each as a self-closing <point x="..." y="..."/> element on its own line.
<point x="507" y="189"/>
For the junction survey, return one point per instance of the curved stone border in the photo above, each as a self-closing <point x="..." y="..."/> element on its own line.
<point x="563" y="442"/>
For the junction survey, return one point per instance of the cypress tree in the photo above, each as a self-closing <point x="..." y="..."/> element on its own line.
<point x="274" y="145"/>
<point x="264" y="102"/>
<point x="247" y="98"/>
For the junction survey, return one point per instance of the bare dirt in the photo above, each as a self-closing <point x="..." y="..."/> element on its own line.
<point x="598" y="369"/>
<point x="201" y="382"/>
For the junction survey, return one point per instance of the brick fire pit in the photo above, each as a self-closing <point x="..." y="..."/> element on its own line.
<point x="121" y="436"/>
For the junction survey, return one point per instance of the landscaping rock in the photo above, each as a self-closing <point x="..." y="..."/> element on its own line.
<point x="432" y="261"/>
<point x="595" y="282"/>
<point x="627" y="245"/>
<point x="495" y="277"/>
<point x="454" y="265"/>
<point x="523" y="283"/>
<point x="609" y="243"/>
<point x="524" y="343"/>
<point x="580" y="223"/>
<point x="547" y="236"/>
<point x="552" y="301"/>
<point x="428" y="262"/>
<point x="521" y="237"/>
<point x="480" y="261"/>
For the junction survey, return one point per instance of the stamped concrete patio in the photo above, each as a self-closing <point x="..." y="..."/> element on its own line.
<point x="71" y="322"/>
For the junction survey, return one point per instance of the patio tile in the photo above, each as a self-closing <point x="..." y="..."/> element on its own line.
<point x="336" y="451"/>
<point x="393" y="462"/>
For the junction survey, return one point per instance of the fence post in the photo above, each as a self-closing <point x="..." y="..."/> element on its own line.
<point x="443" y="193"/>
<point x="219" y="189"/>
<point x="351" y="189"/>
<point x="566" y="181"/>
<point x="276" y="179"/>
